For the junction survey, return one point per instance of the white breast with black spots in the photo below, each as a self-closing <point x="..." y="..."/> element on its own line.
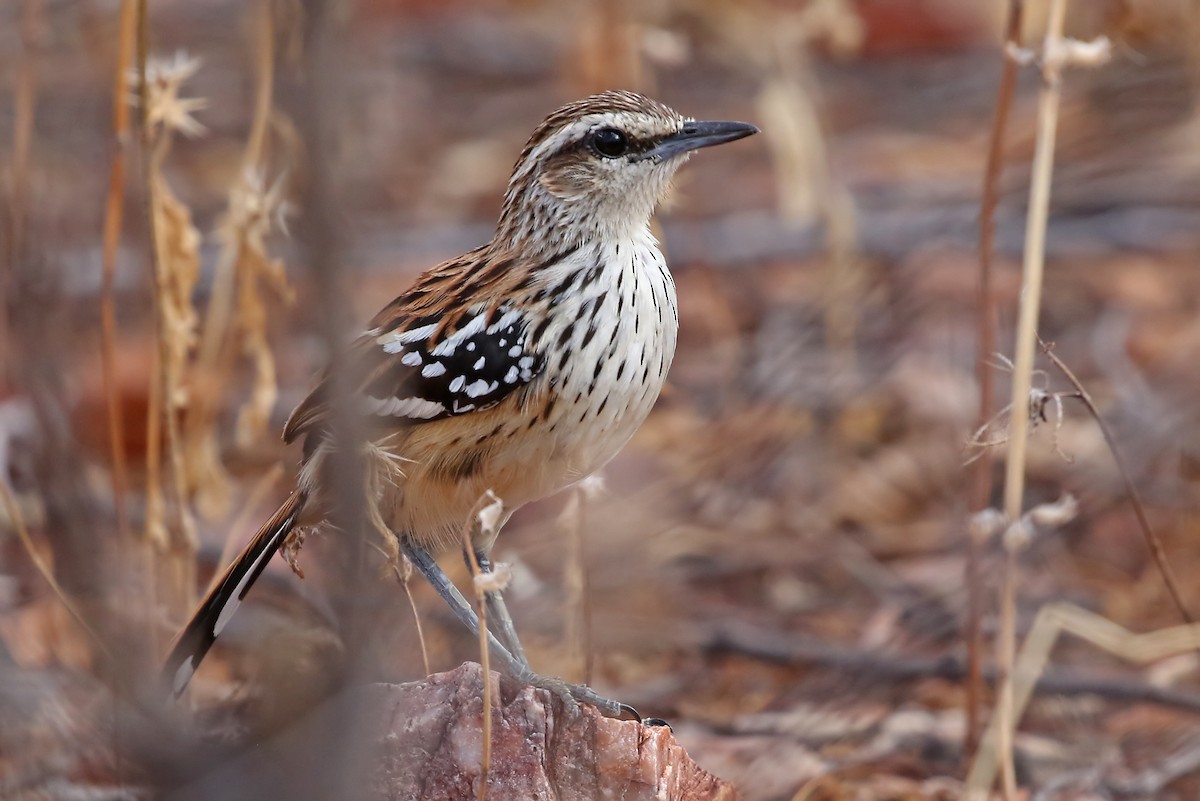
<point x="620" y="331"/>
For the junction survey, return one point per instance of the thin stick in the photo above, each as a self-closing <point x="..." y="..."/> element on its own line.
<point x="242" y="520"/>
<point x="577" y="609"/>
<point x="114" y="206"/>
<point x="18" y="520"/>
<point x="212" y="355"/>
<point x="484" y="656"/>
<point x="179" y="544"/>
<point x="154" y="513"/>
<point x="1135" y="499"/>
<point x="1031" y="293"/>
<point x="412" y="603"/>
<point x="981" y="475"/>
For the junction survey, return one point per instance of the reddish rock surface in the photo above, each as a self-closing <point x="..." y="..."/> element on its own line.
<point x="431" y="745"/>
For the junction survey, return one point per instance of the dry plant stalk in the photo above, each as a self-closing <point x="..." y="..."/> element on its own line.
<point x="175" y="265"/>
<point x="487" y="515"/>
<point x="1051" y="621"/>
<point x="13" y="511"/>
<point x="1056" y="54"/>
<point x="577" y="612"/>
<point x="114" y="205"/>
<point x="237" y="306"/>
<point x="985" y="346"/>
<point x="1153" y="543"/>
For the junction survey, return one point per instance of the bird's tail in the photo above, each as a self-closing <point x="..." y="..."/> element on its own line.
<point x="223" y="600"/>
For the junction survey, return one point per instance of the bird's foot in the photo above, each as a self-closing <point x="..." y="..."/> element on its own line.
<point x="572" y="695"/>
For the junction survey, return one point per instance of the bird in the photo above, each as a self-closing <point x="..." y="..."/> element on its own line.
<point x="513" y="371"/>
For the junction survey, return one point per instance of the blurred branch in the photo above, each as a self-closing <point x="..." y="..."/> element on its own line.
<point x="13" y="511"/>
<point x="114" y="206"/>
<point x="985" y="346"/>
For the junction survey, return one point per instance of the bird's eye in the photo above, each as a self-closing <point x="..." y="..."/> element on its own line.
<point x="609" y="142"/>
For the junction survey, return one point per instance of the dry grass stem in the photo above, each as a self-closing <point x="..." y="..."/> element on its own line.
<point x="175" y="267"/>
<point x="13" y="511"/>
<point x="245" y="516"/>
<point x="1051" y="621"/>
<point x="1054" y="60"/>
<point x="114" y="206"/>
<point x="404" y="572"/>
<point x="1153" y="543"/>
<point x="255" y="208"/>
<point x="485" y="518"/>
<point x="577" y="613"/>
<point x="985" y="345"/>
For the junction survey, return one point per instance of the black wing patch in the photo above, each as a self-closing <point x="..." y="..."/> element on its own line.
<point x="469" y="369"/>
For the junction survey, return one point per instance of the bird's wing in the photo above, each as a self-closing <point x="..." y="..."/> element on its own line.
<point x="440" y="350"/>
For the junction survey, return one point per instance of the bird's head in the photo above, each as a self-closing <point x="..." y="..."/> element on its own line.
<point x="599" y="166"/>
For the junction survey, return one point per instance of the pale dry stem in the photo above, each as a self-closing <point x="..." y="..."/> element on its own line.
<point x="1051" y="621"/>
<point x="114" y="205"/>
<point x="1031" y="288"/>
<point x="981" y="478"/>
<point x="485" y="517"/>
<point x="174" y="257"/>
<point x="236" y="302"/>
<point x="577" y="610"/>
<point x="1135" y="499"/>
<point x="13" y="510"/>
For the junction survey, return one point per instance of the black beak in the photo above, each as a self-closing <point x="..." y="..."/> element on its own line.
<point x="695" y="135"/>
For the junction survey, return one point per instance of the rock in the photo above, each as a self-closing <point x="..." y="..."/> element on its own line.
<point x="430" y="742"/>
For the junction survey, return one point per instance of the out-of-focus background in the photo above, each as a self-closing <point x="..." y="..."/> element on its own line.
<point x="776" y="564"/>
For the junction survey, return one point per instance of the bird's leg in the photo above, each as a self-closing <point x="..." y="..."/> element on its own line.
<point x="572" y="693"/>
<point x="506" y="631"/>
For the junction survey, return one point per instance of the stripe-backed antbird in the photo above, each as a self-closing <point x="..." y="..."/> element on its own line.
<point x="520" y="367"/>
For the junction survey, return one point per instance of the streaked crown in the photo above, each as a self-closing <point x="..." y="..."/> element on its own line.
<point x="599" y="166"/>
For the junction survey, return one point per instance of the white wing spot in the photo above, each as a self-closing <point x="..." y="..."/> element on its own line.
<point x="433" y="370"/>
<point x="511" y="376"/>
<point x="457" y="384"/>
<point x="514" y="351"/>
<point x="412" y="358"/>
<point x="451" y="343"/>
<point x="477" y="388"/>
<point x="505" y="321"/>
<point x="479" y="364"/>
<point x="184" y="673"/>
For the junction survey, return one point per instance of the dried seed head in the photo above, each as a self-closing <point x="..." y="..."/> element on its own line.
<point x="164" y="79"/>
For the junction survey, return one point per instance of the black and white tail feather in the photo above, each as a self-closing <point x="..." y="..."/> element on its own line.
<point x="223" y="600"/>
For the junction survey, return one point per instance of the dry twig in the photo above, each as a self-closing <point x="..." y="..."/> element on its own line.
<point x="1056" y="55"/>
<point x="981" y="476"/>
<point x="1135" y="499"/>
